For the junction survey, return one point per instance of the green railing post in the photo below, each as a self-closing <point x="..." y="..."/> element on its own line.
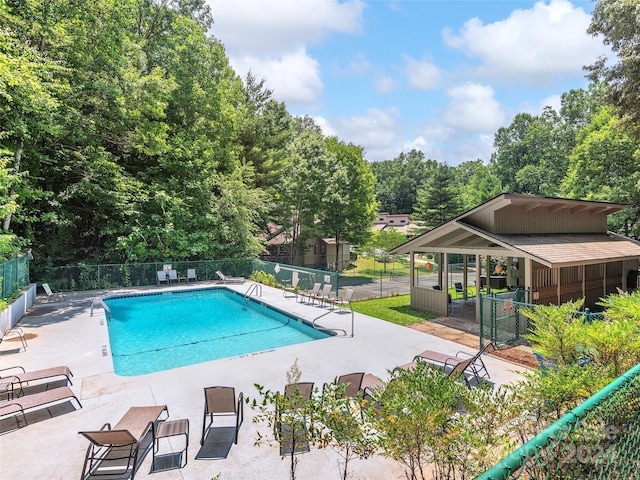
<point x="587" y="315"/>
<point x="481" y="322"/>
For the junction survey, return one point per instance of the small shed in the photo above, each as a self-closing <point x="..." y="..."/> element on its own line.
<point x="558" y="248"/>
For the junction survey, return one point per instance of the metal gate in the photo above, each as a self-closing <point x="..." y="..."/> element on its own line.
<point x="500" y="318"/>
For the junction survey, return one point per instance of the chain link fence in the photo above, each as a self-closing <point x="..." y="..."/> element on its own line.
<point x="599" y="439"/>
<point x="14" y="275"/>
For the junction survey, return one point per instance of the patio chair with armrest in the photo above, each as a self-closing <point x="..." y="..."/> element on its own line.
<point x="120" y="450"/>
<point x="353" y="383"/>
<point x="323" y="295"/>
<point x="191" y="275"/>
<point x="461" y="292"/>
<point x="221" y="401"/>
<point x="173" y="276"/>
<point x="162" y="277"/>
<point x="311" y="293"/>
<point x="290" y="425"/>
<point x="342" y="302"/>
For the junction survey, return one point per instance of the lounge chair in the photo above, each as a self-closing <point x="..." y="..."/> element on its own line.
<point x="323" y="295"/>
<point x="455" y="365"/>
<point x="10" y="381"/>
<point x="342" y="302"/>
<point x="17" y="407"/>
<point x="221" y="401"/>
<point x="311" y="293"/>
<point x="162" y="277"/>
<point x="353" y="383"/>
<point x="52" y="295"/>
<point x="191" y="275"/>
<point x="117" y="450"/>
<point x="290" y="426"/>
<point x="293" y="288"/>
<point x="225" y="279"/>
<point x="14" y="332"/>
<point x="173" y="276"/>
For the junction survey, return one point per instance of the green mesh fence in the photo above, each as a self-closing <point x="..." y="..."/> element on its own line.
<point x="92" y="277"/>
<point x="14" y="275"/>
<point x="306" y="276"/>
<point x="599" y="439"/>
<point x="501" y="318"/>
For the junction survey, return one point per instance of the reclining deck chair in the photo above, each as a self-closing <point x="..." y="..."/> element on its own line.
<point x="9" y="382"/>
<point x="220" y="401"/>
<point x="323" y="295"/>
<point x="225" y="279"/>
<point x="455" y="365"/>
<point x="117" y="450"/>
<point x="342" y="302"/>
<point x="52" y="295"/>
<point x="311" y="293"/>
<point x="18" y="406"/>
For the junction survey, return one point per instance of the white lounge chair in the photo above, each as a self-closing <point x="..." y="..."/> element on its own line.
<point x="51" y="295"/>
<point x="162" y="277"/>
<point x="191" y="275"/>
<point x="173" y="276"/>
<point x="225" y="279"/>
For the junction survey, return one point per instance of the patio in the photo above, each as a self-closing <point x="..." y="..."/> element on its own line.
<point x="64" y="333"/>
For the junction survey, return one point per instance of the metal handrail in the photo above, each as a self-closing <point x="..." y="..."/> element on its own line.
<point x="257" y="287"/>
<point x="101" y="302"/>
<point x="318" y="327"/>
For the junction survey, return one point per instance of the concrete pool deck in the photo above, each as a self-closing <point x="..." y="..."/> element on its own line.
<point x="65" y="333"/>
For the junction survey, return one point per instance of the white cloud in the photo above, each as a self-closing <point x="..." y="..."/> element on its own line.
<point x="553" y="101"/>
<point x="473" y="108"/>
<point x="264" y="27"/>
<point x="384" y="84"/>
<point x="379" y="131"/>
<point x="325" y="125"/>
<point x="270" y="38"/>
<point x="423" y="75"/>
<point x="294" y="77"/>
<point x="532" y="46"/>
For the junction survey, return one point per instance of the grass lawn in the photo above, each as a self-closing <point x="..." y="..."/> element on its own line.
<point x="367" y="267"/>
<point x="392" y="309"/>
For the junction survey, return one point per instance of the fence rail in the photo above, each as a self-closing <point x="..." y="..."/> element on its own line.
<point x="502" y="321"/>
<point x="14" y="275"/>
<point x="599" y="439"/>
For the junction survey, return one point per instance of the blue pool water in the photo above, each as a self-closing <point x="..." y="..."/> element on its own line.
<point x="154" y="332"/>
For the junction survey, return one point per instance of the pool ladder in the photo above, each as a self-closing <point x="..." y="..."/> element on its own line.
<point x="319" y="327"/>
<point x="99" y="301"/>
<point x="254" y="288"/>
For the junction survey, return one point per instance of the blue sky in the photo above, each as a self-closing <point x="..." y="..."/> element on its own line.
<point x="438" y="76"/>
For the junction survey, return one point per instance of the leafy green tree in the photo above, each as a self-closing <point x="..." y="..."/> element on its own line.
<point x="398" y="181"/>
<point x="347" y="207"/>
<point x="477" y="183"/>
<point x="411" y="413"/>
<point x="438" y="199"/>
<point x="604" y="166"/>
<point x="617" y="23"/>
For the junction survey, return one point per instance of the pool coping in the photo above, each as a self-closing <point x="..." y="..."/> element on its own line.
<point x="64" y="333"/>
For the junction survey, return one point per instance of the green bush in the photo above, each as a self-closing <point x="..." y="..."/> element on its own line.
<point x="264" y="278"/>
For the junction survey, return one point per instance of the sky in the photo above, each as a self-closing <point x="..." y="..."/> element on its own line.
<point x="440" y="76"/>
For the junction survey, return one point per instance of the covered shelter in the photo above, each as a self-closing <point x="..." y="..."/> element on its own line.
<point x="558" y="249"/>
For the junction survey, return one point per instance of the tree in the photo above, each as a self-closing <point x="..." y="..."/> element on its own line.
<point x="604" y="166"/>
<point x="477" y="183"/>
<point x="398" y="180"/>
<point x="617" y="22"/>
<point x="438" y="199"/>
<point x="348" y="205"/>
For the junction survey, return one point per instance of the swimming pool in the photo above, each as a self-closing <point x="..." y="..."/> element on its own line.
<point x="158" y="331"/>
